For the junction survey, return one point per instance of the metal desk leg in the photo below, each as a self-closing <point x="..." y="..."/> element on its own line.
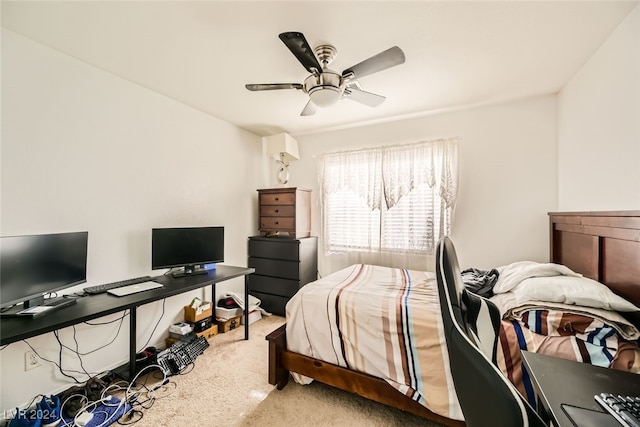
<point x="246" y="306"/>
<point x="132" y="343"/>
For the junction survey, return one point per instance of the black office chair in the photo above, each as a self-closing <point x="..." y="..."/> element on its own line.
<point x="471" y="325"/>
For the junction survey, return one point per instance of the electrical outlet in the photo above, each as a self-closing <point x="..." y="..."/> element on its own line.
<point x="31" y="360"/>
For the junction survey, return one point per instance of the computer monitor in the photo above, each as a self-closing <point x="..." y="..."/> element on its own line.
<point x="189" y="247"/>
<point x="33" y="266"/>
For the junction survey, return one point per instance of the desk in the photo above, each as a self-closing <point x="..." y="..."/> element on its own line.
<point x="95" y="306"/>
<point x="559" y="381"/>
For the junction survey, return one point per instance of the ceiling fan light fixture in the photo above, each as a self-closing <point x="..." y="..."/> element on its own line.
<point x="325" y="96"/>
<point x="324" y="86"/>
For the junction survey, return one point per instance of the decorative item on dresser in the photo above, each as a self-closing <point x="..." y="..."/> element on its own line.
<point x="282" y="266"/>
<point x="285" y="210"/>
<point x="283" y="148"/>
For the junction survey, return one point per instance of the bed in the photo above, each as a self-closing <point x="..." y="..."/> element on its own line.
<point x="603" y="246"/>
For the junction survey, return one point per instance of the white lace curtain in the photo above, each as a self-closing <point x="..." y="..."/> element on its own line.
<point x="397" y="198"/>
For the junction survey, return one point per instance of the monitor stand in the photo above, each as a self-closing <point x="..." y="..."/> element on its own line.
<point x="190" y="270"/>
<point x="32" y="310"/>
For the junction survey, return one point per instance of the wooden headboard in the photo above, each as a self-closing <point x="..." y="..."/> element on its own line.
<point x="604" y="246"/>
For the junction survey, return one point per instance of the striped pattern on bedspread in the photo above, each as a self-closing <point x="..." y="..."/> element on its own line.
<point x="382" y="321"/>
<point x="567" y="335"/>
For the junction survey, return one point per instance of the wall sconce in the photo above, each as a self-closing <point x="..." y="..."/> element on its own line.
<point x="284" y="149"/>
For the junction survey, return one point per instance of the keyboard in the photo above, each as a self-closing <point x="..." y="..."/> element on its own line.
<point x="134" y="289"/>
<point x="99" y="289"/>
<point x="625" y="409"/>
<point x="181" y="354"/>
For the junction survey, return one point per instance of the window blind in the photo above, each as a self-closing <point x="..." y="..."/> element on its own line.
<point x="391" y="199"/>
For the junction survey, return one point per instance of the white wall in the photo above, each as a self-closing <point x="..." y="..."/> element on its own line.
<point x="599" y="127"/>
<point x="86" y="150"/>
<point x="507" y="177"/>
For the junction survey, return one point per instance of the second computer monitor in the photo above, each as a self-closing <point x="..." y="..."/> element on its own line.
<point x="191" y="248"/>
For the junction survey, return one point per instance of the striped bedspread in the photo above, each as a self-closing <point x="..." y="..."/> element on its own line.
<point x="381" y="321"/>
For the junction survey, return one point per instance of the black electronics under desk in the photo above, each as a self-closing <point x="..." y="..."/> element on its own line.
<point x="95" y="306"/>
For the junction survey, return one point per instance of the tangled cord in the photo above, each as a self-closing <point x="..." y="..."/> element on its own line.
<point x="137" y="394"/>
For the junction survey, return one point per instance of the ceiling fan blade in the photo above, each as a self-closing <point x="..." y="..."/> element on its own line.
<point x="366" y="98"/>
<point x="309" y="109"/>
<point x="273" y="86"/>
<point x="300" y="48"/>
<point x="387" y="59"/>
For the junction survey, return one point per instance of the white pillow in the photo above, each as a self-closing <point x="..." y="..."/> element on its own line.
<point x="571" y="290"/>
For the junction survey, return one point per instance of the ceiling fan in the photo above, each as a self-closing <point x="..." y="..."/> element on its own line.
<point x="325" y="87"/>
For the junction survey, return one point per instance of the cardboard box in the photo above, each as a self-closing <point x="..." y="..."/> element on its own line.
<point x="169" y="341"/>
<point x="228" y="313"/>
<point x="208" y="333"/>
<point x="172" y="339"/>
<point x="228" y="324"/>
<point x="254" y="316"/>
<point x="179" y="336"/>
<point x="194" y="314"/>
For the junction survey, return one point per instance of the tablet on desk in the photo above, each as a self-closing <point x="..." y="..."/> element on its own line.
<point x="583" y="417"/>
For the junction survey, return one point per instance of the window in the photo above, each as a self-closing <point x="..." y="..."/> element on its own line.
<point x="391" y="199"/>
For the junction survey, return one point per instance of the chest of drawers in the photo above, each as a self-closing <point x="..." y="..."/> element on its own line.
<point x="283" y="265"/>
<point x="285" y="211"/>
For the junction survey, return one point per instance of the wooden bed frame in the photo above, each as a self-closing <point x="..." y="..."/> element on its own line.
<point x="604" y="246"/>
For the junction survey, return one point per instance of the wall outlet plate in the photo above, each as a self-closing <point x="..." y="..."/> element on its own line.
<point x="31" y="360"/>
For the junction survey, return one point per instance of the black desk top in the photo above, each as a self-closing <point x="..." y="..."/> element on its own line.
<point x="561" y="381"/>
<point x="95" y="306"/>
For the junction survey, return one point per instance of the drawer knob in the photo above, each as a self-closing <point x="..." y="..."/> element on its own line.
<point x="276" y="210"/>
<point x="277" y="222"/>
<point x="277" y="199"/>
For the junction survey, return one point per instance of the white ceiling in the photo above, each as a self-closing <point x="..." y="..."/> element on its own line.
<point x="202" y="53"/>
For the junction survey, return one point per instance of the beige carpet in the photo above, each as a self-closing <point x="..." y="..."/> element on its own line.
<point x="228" y="387"/>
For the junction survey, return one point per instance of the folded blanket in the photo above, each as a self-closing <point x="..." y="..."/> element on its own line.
<point x="511" y="309"/>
